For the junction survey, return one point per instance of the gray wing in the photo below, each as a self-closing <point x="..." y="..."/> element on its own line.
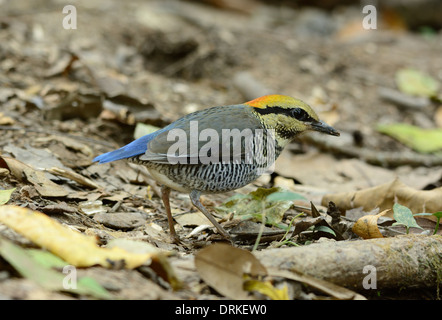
<point x="204" y="135"/>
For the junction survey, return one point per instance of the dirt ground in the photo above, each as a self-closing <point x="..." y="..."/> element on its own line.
<point x="68" y="95"/>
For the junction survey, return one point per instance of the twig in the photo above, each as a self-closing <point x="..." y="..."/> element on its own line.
<point x="403" y="100"/>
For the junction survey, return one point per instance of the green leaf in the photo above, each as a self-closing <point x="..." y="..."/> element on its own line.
<point x="438" y="214"/>
<point x="142" y="129"/>
<point x="404" y="216"/>
<point x="257" y="203"/>
<point x="30" y="265"/>
<point x="420" y="140"/>
<point x="416" y="83"/>
<point x="90" y="286"/>
<point x="5" y="195"/>
<point x="427" y="32"/>
<point x="325" y="229"/>
<point x="46" y="259"/>
<point x="285" y="196"/>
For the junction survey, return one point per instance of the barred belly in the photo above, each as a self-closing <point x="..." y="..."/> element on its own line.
<point x="207" y="178"/>
<point x="210" y="178"/>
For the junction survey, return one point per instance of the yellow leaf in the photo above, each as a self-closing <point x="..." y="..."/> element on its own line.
<point x="266" y="288"/>
<point x="416" y="83"/>
<point x="367" y="226"/>
<point x="421" y="140"/>
<point x="75" y="248"/>
<point x="5" y="195"/>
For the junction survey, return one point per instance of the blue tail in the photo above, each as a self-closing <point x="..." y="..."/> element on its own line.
<point x="133" y="149"/>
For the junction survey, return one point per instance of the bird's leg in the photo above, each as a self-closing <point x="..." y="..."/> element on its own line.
<point x="165" y="192"/>
<point x="195" y="198"/>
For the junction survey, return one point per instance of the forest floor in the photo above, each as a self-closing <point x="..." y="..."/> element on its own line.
<point x="68" y="95"/>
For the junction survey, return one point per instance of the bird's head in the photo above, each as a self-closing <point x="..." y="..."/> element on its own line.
<point x="288" y="116"/>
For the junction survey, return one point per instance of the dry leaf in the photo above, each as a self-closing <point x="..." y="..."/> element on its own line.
<point x="367" y="226"/>
<point x="34" y="157"/>
<point x="223" y="267"/>
<point x="69" y="174"/>
<point x="313" y="168"/>
<point x="384" y="196"/>
<point x="351" y="31"/>
<point x="3" y="172"/>
<point x="438" y="117"/>
<point x="192" y="219"/>
<point x="392" y="20"/>
<point x="42" y="184"/>
<point x="69" y="143"/>
<point x="5" y="121"/>
<point x="75" y="248"/>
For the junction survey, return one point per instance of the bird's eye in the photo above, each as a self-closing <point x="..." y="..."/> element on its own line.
<point x="300" y="114"/>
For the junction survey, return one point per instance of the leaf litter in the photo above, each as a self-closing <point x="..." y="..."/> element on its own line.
<point x="61" y="107"/>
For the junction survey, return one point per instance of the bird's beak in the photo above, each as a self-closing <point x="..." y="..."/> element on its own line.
<point x="324" y="128"/>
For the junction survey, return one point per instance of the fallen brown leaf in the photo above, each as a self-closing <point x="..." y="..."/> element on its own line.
<point x="223" y="268"/>
<point x="385" y="195"/>
<point x="69" y="174"/>
<point x="42" y="184"/>
<point x="5" y="120"/>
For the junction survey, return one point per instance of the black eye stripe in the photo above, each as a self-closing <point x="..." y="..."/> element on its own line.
<point x="300" y="114"/>
<point x="297" y="113"/>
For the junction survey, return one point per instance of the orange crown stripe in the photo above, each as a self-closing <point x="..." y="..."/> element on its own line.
<point x="271" y="99"/>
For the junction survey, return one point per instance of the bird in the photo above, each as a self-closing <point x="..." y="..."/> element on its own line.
<point x="219" y="149"/>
